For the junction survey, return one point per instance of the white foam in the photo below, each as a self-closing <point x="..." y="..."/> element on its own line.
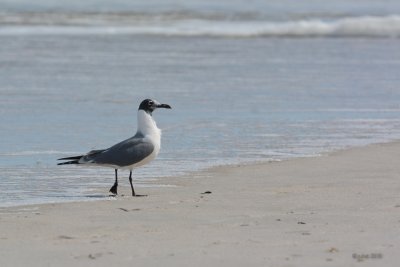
<point x="364" y="26"/>
<point x="37" y="152"/>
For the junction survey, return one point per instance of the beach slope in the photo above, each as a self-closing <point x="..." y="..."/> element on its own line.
<point x="340" y="209"/>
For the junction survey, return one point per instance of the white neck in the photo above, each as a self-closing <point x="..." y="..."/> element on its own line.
<point x="146" y="125"/>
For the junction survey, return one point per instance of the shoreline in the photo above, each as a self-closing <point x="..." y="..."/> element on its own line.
<point x="338" y="209"/>
<point x="155" y="181"/>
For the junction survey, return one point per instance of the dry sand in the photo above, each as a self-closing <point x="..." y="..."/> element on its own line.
<point x="341" y="209"/>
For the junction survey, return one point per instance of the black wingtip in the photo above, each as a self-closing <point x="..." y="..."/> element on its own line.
<point x="69" y="162"/>
<point x="71" y="158"/>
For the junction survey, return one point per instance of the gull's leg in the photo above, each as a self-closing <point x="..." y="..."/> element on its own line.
<point x="130" y="180"/>
<point x="133" y="190"/>
<point x="113" y="189"/>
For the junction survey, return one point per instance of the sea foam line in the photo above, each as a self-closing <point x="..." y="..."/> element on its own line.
<point x="364" y="26"/>
<point x="37" y="152"/>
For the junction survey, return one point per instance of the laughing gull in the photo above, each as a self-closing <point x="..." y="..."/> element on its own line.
<point x="133" y="152"/>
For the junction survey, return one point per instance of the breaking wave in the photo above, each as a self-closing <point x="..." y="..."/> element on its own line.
<point x="364" y="26"/>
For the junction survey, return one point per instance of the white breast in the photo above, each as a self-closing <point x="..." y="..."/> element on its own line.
<point x="148" y="127"/>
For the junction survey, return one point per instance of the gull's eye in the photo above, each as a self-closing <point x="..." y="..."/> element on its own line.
<point x="150" y="103"/>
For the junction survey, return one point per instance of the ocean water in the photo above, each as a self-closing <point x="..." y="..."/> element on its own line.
<point x="270" y="80"/>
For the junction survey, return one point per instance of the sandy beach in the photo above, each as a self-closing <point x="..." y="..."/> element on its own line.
<point x="340" y="209"/>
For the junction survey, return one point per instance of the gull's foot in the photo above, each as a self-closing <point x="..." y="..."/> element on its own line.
<point x="113" y="189"/>
<point x="139" y="195"/>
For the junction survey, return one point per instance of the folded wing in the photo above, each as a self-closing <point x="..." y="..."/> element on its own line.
<point x="125" y="153"/>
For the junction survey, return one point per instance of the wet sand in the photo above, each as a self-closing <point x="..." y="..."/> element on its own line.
<point x="340" y="209"/>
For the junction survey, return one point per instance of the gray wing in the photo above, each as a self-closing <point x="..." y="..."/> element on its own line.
<point x="125" y="153"/>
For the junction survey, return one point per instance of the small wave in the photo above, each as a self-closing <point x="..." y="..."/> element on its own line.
<point x="366" y="26"/>
<point x="33" y="152"/>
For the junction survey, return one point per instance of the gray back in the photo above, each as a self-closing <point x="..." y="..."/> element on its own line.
<point x="125" y="153"/>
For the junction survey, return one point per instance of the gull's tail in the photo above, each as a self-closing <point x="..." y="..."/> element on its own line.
<point x="82" y="159"/>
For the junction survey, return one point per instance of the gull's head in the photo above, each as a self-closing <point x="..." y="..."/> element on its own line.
<point x="149" y="105"/>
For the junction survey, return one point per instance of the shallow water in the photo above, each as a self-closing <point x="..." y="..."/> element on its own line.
<point x="234" y="100"/>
